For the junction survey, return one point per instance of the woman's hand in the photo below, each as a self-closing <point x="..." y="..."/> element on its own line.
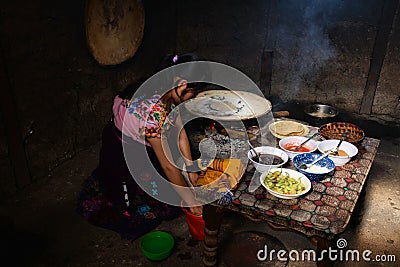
<point x="193" y="176"/>
<point x="194" y="206"/>
<point x="196" y="210"/>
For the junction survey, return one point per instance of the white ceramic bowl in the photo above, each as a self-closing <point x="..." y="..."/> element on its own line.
<point x="267" y="150"/>
<point x="349" y="148"/>
<point x="297" y="140"/>
<point x="326" y="163"/>
<point x="293" y="174"/>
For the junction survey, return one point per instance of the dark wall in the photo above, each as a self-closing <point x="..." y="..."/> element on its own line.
<point x="60" y="93"/>
<point x="344" y="53"/>
<point x="316" y="51"/>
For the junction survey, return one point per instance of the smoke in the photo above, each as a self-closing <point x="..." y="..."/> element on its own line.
<point x="303" y="44"/>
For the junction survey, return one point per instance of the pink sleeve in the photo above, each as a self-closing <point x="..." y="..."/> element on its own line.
<point x="129" y="124"/>
<point x="119" y="112"/>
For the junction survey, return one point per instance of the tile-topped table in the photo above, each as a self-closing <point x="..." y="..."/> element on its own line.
<point x="320" y="215"/>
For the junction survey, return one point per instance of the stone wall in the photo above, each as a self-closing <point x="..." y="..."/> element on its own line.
<point x="387" y="98"/>
<point x="61" y="94"/>
<point x="321" y="50"/>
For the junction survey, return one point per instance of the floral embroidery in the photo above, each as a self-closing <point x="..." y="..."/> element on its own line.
<point x="151" y="111"/>
<point x="126" y="214"/>
<point x="143" y="210"/>
<point x="145" y="176"/>
<point x="154" y="192"/>
<point x="150" y="215"/>
<point x="132" y="104"/>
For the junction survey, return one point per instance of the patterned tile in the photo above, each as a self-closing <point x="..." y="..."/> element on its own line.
<point x="265" y="204"/>
<point x="348" y="167"/>
<point x="307" y="205"/>
<point x="358" y="177"/>
<point x="340" y="182"/>
<point x="355" y="186"/>
<point x="282" y="210"/>
<point x="247" y="199"/>
<point x="314" y="196"/>
<point x="290" y="202"/>
<point x="330" y="200"/>
<point x="342" y="174"/>
<point x="325" y="210"/>
<point x="319" y="187"/>
<point x="350" y="194"/>
<point x="320" y="221"/>
<point x="300" y="215"/>
<point x="342" y="214"/>
<point x="334" y="191"/>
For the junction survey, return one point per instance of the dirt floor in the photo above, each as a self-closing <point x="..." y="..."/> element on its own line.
<point x="40" y="227"/>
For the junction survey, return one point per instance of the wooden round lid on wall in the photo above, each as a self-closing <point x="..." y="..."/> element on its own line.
<point x="114" y="29"/>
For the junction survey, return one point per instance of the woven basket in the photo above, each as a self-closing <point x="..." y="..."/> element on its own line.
<point x="335" y="130"/>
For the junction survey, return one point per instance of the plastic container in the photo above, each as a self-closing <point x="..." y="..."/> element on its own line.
<point x="195" y="223"/>
<point x="157" y="245"/>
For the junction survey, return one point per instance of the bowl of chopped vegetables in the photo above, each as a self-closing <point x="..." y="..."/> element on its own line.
<point x="285" y="183"/>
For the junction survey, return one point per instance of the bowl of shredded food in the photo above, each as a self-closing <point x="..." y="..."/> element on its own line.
<point x="285" y="183"/>
<point x="316" y="172"/>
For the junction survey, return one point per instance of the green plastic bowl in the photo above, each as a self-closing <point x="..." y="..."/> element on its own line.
<point x="157" y="245"/>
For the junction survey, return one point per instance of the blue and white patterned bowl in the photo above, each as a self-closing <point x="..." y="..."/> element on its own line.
<point x="306" y="158"/>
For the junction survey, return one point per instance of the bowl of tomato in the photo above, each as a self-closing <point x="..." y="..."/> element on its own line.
<point x="290" y="143"/>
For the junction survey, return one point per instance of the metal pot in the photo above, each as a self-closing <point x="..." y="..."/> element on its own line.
<point x="319" y="114"/>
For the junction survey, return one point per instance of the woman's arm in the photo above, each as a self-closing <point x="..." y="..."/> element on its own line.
<point x="173" y="174"/>
<point x="187" y="156"/>
<point x="184" y="146"/>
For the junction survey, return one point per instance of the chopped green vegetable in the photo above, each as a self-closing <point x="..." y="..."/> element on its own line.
<point x="284" y="184"/>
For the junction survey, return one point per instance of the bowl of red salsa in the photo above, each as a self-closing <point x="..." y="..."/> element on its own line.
<point x="289" y="145"/>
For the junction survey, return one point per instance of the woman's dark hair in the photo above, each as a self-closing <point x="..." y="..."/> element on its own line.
<point x="201" y="72"/>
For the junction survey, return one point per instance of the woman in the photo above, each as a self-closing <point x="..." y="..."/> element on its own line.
<point x="124" y="193"/>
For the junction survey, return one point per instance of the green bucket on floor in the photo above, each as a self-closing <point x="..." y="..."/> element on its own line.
<point x="157" y="245"/>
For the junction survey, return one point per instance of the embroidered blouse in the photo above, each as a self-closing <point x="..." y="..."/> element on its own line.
<point x="140" y="117"/>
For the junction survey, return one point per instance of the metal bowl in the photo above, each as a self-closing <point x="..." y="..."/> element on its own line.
<point x="319" y="114"/>
<point x="321" y="111"/>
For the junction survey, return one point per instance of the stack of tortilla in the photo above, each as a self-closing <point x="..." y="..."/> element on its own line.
<point x="285" y="128"/>
<point x="222" y="174"/>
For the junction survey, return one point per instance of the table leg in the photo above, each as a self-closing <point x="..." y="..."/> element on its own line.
<point x="212" y="216"/>
<point x="322" y="244"/>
